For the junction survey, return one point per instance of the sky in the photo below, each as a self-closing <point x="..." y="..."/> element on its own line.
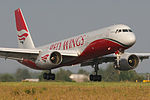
<point x="52" y="20"/>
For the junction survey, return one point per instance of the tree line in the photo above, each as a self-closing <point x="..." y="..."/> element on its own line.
<point x="109" y="74"/>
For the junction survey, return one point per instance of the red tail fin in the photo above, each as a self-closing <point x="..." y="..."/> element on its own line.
<point x="23" y="34"/>
<point x="20" y="22"/>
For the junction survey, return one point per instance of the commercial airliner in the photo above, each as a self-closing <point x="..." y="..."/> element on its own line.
<point x="91" y="48"/>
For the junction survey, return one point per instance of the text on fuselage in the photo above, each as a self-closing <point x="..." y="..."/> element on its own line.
<point x="68" y="44"/>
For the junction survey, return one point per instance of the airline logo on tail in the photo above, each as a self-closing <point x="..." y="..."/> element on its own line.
<point x="22" y="35"/>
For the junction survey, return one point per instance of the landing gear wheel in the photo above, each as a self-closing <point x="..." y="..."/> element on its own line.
<point x="91" y="77"/>
<point x="49" y="76"/>
<point x="99" y="78"/>
<point x="45" y="75"/>
<point x="53" y="76"/>
<point x="95" y="77"/>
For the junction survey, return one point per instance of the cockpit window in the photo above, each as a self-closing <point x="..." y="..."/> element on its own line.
<point x="125" y="30"/>
<point x="130" y="30"/>
<point x="116" y="31"/>
<point x="119" y="31"/>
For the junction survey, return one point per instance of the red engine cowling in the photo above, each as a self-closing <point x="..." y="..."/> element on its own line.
<point x="126" y="62"/>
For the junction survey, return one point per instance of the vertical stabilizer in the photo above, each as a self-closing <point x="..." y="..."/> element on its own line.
<point x="23" y="34"/>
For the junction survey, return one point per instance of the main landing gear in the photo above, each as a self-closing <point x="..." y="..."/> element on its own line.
<point x="95" y="77"/>
<point x="49" y="76"/>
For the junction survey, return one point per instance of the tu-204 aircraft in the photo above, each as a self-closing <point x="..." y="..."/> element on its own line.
<point x="91" y="48"/>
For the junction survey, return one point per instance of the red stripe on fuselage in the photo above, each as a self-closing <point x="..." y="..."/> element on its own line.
<point x="30" y="64"/>
<point x="99" y="48"/>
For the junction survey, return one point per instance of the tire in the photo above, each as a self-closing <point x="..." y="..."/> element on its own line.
<point x="95" y="78"/>
<point x="99" y="78"/>
<point x="91" y="77"/>
<point x="45" y="76"/>
<point x="53" y="76"/>
<point x="48" y="76"/>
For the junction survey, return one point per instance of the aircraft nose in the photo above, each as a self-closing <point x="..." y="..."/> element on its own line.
<point x="131" y="39"/>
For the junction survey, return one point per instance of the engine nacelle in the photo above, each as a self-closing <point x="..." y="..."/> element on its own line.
<point x="127" y="62"/>
<point x="49" y="60"/>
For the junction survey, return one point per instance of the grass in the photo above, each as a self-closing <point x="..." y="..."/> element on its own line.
<point x="74" y="91"/>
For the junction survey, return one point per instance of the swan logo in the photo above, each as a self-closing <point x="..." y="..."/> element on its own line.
<point x="22" y="35"/>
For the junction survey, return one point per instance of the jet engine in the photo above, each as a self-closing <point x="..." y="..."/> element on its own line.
<point x="55" y="58"/>
<point x="48" y="60"/>
<point x="126" y="62"/>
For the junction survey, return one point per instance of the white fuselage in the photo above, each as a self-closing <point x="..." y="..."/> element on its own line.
<point x="81" y="41"/>
<point x="93" y="44"/>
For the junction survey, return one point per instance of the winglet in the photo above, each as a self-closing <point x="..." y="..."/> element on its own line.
<point x="23" y="34"/>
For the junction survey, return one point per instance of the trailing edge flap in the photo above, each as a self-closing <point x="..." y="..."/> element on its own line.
<point x="19" y="54"/>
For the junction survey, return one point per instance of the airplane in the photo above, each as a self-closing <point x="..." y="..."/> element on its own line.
<point x="91" y="48"/>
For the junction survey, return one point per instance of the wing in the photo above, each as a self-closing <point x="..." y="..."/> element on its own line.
<point x="100" y="60"/>
<point x="32" y="54"/>
<point x="18" y="54"/>
<point x="71" y="53"/>
<point x="142" y="56"/>
<point x="112" y="58"/>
